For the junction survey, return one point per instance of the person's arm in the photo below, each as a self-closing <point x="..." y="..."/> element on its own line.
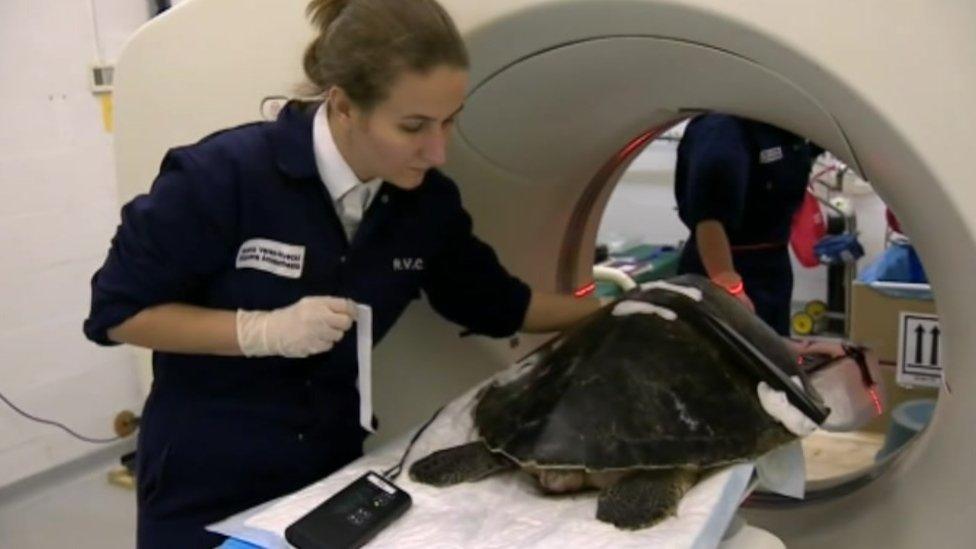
<point x="181" y="328"/>
<point x="309" y="326"/>
<point x="549" y="312"/>
<point x="168" y="243"/>
<point x="712" y="194"/>
<point x="716" y="255"/>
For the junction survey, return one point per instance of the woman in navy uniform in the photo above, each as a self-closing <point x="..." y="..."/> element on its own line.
<point x="240" y="266"/>
<point x="738" y="183"/>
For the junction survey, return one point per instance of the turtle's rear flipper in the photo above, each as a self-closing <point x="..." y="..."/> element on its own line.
<point x="469" y="462"/>
<point x="644" y="498"/>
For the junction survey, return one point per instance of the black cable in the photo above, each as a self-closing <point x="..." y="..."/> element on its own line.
<point x="393" y="472"/>
<point x="398" y="468"/>
<point x="56" y="424"/>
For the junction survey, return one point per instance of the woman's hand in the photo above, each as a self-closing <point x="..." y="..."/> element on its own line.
<point x="310" y="326"/>
<point x="549" y="312"/>
<point x="746" y="302"/>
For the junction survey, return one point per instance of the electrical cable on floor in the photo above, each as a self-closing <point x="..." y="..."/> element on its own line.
<point x="71" y="432"/>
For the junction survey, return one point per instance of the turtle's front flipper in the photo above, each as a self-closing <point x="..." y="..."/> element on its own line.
<point x="469" y="462"/>
<point x="644" y="498"/>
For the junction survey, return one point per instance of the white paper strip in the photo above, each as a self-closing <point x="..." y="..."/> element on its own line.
<point x="693" y="293"/>
<point x="630" y="307"/>
<point x="783" y="470"/>
<point x="364" y="355"/>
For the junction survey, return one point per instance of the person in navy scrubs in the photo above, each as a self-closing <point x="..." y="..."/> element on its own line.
<point x="738" y="183"/>
<point x="240" y="268"/>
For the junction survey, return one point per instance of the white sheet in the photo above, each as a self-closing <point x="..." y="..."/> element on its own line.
<point x="501" y="511"/>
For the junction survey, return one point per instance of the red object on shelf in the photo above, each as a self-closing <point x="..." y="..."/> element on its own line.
<point x="893" y="223"/>
<point x="808" y="227"/>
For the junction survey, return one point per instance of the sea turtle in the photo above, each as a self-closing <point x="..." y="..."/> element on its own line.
<point x="653" y="391"/>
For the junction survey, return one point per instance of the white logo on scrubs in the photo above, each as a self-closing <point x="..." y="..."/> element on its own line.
<point x="270" y="256"/>
<point x="768" y="156"/>
<point x="408" y="264"/>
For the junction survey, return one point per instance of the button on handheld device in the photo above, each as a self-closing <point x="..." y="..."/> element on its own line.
<point x="352" y="517"/>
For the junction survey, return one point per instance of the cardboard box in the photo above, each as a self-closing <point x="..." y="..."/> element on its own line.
<point x="874" y="323"/>
<point x="874" y="319"/>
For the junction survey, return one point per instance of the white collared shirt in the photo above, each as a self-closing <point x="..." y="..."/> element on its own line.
<point x="336" y="173"/>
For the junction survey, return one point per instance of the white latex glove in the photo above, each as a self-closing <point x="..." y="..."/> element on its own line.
<point x="778" y="405"/>
<point x="310" y="326"/>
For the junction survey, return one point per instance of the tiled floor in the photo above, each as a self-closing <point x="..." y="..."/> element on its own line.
<point x="72" y="508"/>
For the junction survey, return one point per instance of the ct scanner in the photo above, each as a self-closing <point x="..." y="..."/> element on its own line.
<point x="561" y="93"/>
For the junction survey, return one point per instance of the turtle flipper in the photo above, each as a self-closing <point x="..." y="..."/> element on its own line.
<point x="644" y="498"/>
<point x="465" y="463"/>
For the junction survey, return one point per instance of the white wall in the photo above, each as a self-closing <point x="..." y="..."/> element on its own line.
<point x="643" y="209"/>
<point x="57" y="214"/>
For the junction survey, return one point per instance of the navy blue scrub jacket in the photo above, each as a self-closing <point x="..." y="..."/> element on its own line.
<point x="221" y="434"/>
<point x="751" y="178"/>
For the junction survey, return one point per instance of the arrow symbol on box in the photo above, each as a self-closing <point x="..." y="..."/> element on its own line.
<point x="919" y="335"/>
<point x="935" y="345"/>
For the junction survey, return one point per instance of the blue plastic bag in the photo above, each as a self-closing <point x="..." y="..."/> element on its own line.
<point x="898" y="263"/>
<point x="837" y="249"/>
